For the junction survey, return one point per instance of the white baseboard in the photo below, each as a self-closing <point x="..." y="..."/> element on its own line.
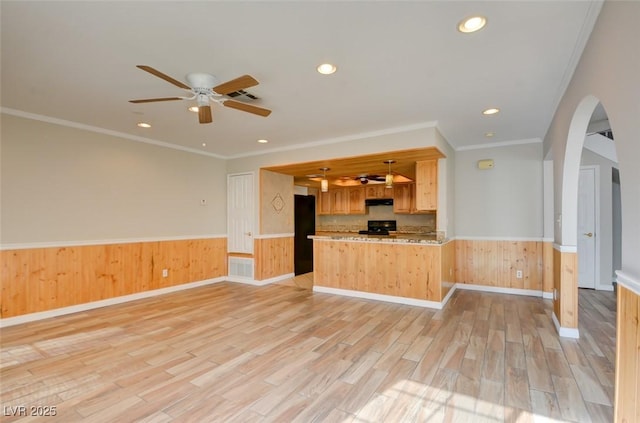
<point x="431" y="304"/>
<point x="445" y="300"/>
<point x="240" y="279"/>
<point x="379" y="297"/>
<point x="32" y="317"/>
<point x="604" y="288"/>
<point x="500" y="290"/>
<point x="263" y="282"/>
<point x="565" y="332"/>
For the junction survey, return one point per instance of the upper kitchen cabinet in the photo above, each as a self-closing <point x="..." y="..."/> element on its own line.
<point x="418" y="165"/>
<point x="356" y="200"/>
<point x="342" y="201"/>
<point x="377" y="191"/>
<point x="324" y="203"/>
<point x="339" y="201"/>
<point x="427" y="185"/>
<point x="404" y="199"/>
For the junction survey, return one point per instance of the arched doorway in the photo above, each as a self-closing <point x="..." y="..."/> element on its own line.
<point x="585" y="121"/>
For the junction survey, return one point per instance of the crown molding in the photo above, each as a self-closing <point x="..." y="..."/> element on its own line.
<point x="499" y="144"/>
<point x="82" y="126"/>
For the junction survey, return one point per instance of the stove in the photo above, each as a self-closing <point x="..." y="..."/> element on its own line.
<point x="379" y="227"/>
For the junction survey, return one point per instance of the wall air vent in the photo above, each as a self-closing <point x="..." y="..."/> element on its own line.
<point x="242" y="95"/>
<point x="240" y="267"/>
<point x="608" y="133"/>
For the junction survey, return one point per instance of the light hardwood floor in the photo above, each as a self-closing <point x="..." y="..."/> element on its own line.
<point x="236" y="353"/>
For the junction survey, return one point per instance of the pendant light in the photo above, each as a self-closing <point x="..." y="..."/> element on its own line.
<point x="324" y="183"/>
<point x="388" y="179"/>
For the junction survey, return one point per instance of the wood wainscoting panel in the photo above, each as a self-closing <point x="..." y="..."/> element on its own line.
<point x="494" y="263"/>
<point x="547" y="271"/>
<point x="556" y="283"/>
<point x="448" y="267"/>
<point x="402" y="270"/>
<point x="41" y="279"/>
<point x="273" y="257"/>
<point x="565" y="280"/>
<point x="627" y="396"/>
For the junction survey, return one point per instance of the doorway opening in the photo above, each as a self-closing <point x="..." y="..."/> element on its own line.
<point x="591" y="221"/>
<point x="598" y="212"/>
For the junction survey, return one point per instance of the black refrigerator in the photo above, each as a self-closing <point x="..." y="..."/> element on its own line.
<point x="305" y="224"/>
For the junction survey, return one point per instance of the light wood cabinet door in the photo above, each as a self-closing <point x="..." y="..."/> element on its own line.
<point x="427" y="185"/>
<point x="324" y="203"/>
<point x="339" y="201"/>
<point x="356" y="200"/>
<point x="403" y="198"/>
<point x="377" y="191"/>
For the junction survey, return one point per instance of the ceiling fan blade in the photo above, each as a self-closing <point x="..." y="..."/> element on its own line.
<point x="204" y="114"/>
<point x="247" y="108"/>
<point x="151" y="100"/>
<point x="245" y="81"/>
<point x="161" y="75"/>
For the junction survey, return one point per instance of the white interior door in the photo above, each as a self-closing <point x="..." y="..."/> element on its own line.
<point x="587" y="228"/>
<point x="240" y="213"/>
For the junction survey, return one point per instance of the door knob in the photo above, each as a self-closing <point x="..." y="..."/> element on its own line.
<point x="589" y="234"/>
<point x="247" y="233"/>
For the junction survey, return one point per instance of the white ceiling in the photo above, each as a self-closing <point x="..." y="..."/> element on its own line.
<point x="400" y="64"/>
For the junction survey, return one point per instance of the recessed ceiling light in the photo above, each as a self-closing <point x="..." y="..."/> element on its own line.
<point x="144" y="125"/>
<point x="193" y="109"/>
<point x="472" y="24"/>
<point x="263" y="141"/>
<point x="326" y="68"/>
<point x="204" y="144"/>
<point x="491" y="111"/>
<point x="489" y="134"/>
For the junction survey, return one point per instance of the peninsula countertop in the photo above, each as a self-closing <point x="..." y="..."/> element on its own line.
<point x="393" y="237"/>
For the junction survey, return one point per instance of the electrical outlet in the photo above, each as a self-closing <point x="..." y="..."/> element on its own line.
<point x="165" y="273"/>
<point x="519" y="274"/>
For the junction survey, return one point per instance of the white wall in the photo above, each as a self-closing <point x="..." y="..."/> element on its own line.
<point x="61" y="184"/>
<point x="446" y="221"/>
<point x="503" y="202"/>
<point x="548" y="214"/>
<point x="609" y="70"/>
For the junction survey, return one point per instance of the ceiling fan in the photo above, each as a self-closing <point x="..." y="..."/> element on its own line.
<point x="206" y="89"/>
<point x="365" y="178"/>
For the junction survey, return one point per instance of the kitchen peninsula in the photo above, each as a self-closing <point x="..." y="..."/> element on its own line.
<point x="414" y="269"/>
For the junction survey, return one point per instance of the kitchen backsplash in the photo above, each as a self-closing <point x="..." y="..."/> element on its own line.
<point x="411" y="223"/>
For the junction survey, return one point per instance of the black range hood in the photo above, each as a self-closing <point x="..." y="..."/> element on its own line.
<point x="379" y="202"/>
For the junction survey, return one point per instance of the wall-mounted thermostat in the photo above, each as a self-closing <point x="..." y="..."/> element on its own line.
<point x="485" y="164"/>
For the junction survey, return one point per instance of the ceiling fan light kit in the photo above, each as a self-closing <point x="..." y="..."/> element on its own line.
<point x="207" y="89"/>
<point x="201" y="81"/>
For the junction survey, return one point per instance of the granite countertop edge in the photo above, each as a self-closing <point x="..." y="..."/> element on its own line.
<point x="398" y="238"/>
